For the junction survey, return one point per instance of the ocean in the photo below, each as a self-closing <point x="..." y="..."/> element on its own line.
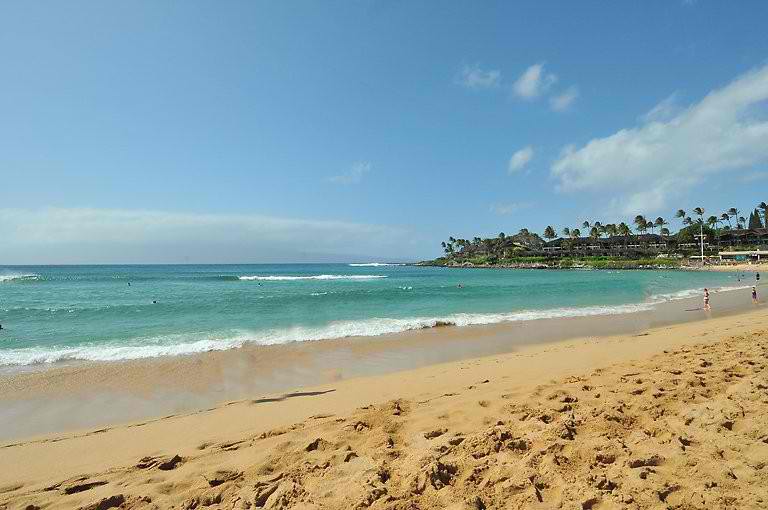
<point x="52" y="314"/>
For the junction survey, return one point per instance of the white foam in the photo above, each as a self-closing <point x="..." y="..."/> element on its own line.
<point x="175" y="345"/>
<point x="691" y="293"/>
<point x="9" y="277"/>
<point x="374" y="264"/>
<point x="274" y="278"/>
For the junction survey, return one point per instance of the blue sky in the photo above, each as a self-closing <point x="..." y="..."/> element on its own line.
<point x="266" y="131"/>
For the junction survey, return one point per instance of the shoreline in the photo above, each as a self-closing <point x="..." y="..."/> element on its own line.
<point x="549" y="401"/>
<point x="73" y="396"/>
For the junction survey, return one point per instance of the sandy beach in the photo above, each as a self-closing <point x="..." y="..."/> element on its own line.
<point x="672" y="417"/>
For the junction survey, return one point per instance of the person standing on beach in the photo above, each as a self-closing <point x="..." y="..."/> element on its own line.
<point x="754" y="295"/>
<point x="706" y="300"/>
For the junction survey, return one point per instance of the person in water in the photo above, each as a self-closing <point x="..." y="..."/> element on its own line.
<point x="757" y="277"/>
<point x="706" y="300"/>
<point x="754" y="295"/>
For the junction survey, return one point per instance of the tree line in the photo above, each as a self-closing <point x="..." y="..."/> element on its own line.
<point x="727" y="220"/>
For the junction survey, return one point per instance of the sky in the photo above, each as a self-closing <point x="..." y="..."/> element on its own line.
<point x="165" y="132"/>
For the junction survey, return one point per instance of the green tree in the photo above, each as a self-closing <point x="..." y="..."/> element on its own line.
<point x="699" y="211"/>
<point x="764" y="208"/>
<point x="566" y="232"/>
<point x="726" y="217"/>
<point x="734" y="213"/>
<point x="549" y="233"/>
<point x="680" y="214"/>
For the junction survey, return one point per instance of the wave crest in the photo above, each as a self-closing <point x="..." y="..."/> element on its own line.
<point x="10" y="277"/>
<point x="276" y="278"/>
<point x="374" y="264"/>
<point x="175" y="345"/>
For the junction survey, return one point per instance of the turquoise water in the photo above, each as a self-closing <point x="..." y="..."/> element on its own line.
<point x="52" y="314"/>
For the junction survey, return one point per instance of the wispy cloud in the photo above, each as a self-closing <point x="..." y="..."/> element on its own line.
<point x="643" y="166"/>
<point x="50" y="236"/>
<point x="505" y="209"/>
<point x="520" y="159"/>
<point x="754" y="177"/>
<point x="563" y="101"/>
<point x="473" y="77"/>
<point x="533" y="82"/>
<point x="663" y="111"/>
<point x="354" y="175"/>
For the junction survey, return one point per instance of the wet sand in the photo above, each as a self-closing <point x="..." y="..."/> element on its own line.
<point x="675" y="416"/>
<point x="82" y="395"/>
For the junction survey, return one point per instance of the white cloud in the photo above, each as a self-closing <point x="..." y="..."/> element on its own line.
<point x="563" y="101"/>
<point x="354" y="175"/>
<point x="664" y="111"/>
<point x="533" y="82"/>
<point x="505" y="209"/>
<point x="519" y="159"/>
<point x="49" y="236"/>
<point x="475" y="78"/>
<point x="643" y="166"/>
<point x="754" y="177"/>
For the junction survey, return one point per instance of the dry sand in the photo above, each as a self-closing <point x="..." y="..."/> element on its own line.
<point x="674" y="418"/>
<point x="743" y="267"/>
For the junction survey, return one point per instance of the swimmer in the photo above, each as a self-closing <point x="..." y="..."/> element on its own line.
<point x="154" y="302"/>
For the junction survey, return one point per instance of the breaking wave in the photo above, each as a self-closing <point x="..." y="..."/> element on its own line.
<point x="314" y="277"/>
<point x="374" y="264"/>
<point x="10" y="277"/>
<point x="175" y="345"/>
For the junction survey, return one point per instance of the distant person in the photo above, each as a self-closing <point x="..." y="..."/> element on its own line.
<point x="757" y="277"/>
<point x="754" y="295"/>
<point x="1" y="327"/>
<point x="154" y="301"/>
<point x="129" y="284"/>
<point x="706" y="300"/>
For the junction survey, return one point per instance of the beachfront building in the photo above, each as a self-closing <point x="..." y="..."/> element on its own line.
<point x="743" y="256"/>
<point x="608" y="246"/>
<point x="755" y="238"/>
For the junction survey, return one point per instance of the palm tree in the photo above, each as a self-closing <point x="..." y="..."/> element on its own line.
<point x="741" y="223"/>
<point x="594" y="233"/>
<point x="699" y="211"/>
<point x="664" y="232"/>
<point x="734" y="213"/>
<point x="764" y="208"/>
<point x="726" y="217"/>
<point x="661" y="223"/>
<point x="650" y="225"/>
<point x="680" y="214"/>
<point x="640" y="222"/>
<point x="566" y="232"/>
<point x="549" y="233"/>
<point x="688" y="221"/>
<point x="624" y="230"/>
<point x="575" y="233"/>
<point x="585" y="224"/>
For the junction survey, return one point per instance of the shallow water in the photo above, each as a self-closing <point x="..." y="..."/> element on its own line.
<point x="102" y="313"/>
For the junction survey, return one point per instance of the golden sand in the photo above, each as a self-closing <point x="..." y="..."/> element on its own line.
<point x="674" y="418"/>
